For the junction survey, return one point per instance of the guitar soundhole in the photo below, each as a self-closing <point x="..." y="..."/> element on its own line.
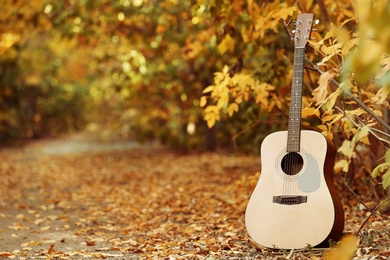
<point x="292" y="163"/>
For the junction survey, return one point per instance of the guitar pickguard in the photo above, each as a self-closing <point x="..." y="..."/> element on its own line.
<point x="296" y="209"/>
<point x="310" y="180"/>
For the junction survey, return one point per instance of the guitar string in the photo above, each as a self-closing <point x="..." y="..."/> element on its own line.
<point x="293" y="158"/>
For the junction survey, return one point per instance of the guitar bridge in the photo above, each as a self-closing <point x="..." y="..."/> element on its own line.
<point x="289" y="200"/>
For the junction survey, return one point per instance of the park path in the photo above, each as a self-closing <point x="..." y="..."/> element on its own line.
<point x="83" y="197"/>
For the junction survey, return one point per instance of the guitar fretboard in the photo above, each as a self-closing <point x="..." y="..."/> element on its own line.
<point x="294" y="123"/>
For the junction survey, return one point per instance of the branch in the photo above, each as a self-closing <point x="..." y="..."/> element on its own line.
<point x="250" y="127"/>
<point x="358" y="101"/>
<point x="373" y="131"/>
<point x="324" y="12"/>
<point x="373" y="211"/>
<point x="346" y="91"/>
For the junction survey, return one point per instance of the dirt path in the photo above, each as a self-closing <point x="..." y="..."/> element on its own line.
<point x="42" y="201"/>
<point x="80" y="197"/>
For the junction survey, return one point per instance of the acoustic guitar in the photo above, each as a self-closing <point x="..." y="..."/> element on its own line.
<point x="295" y="203"/>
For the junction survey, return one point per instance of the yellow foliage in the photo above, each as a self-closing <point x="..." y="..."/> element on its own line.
<point x="352" y="48"/>
<point x="262" y="93"/>
<point x="269" y="16"/>
<point x="203" y="101"/>
<point x="328" y="104"/>
<point x="230" y="91"/>
<point x="7" y="40"/>
<point x="227" y="44"/>
<point x="345" y="250"/>
<point x="321" y="92"/>
<point x="342" y="165"/>
<point x="347" y="149"/>
<point x="382" y="95"/>
<point x="326" y="130"/>
<point x="332" y="118"/>
<point x="362" y="135"/>
<point x="310" y="112"/>
<point x="211" y="115"/>
<point x="233" y="107"/>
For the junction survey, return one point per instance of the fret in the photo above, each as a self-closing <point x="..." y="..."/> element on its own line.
<point x="294" y="122"/>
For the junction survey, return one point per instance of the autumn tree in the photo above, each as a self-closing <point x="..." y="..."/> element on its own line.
<point x="160" y="69"/>
<point x="42" y="86"/>
<point x="346" y="87"/>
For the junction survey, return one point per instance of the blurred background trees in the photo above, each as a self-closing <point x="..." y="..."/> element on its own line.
<point x="194" y="75"/>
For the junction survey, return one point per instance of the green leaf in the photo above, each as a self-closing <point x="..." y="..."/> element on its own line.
<point x="377" y="171"/>
<point x="386" y="179"/>
<point x="347" y="148"/>
<point x="380" y="169"/>
<point x="387" y="156"/>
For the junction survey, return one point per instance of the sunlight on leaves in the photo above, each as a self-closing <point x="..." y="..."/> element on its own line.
<point x="330" y="101"/>
<point x="347" y="149"/>
<point x="229" y="91"/>
<point x="321" y="92"/>
<point x="233" y="107"/>
<point x="310" y="112"/>
<point x="362" y="135"/>
<point x="342" y="165"/>
<point x="227" y="44"/>
<point x="384" y="170"/>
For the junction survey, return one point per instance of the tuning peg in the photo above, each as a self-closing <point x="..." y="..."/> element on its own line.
<point x="315" y="22"/>
<point x="297" y="22"/>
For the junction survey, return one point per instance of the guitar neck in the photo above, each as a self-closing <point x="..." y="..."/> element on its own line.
<point x="294" y="123"/>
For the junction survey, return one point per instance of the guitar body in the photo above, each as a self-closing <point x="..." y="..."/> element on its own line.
<point x="292" y="209"/>
<point x="295" y="203"/>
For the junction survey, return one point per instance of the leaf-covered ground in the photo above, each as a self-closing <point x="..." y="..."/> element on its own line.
<point x="78" y="198"/>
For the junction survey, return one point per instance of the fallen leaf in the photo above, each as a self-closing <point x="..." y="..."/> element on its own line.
<point x="5" y="254"/>
<point x="345" y="250"/>
<point x="90" y="243"/>
<point x="51" y="250"/>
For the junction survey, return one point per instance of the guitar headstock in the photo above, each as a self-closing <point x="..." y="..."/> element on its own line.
<point x="303" y="28"/>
